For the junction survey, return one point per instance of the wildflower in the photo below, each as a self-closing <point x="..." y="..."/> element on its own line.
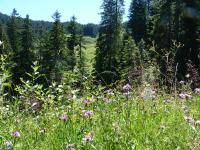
<point x="181" y="82"/>
<point x="184" y="95"/>
<point x="7" y="143"/>
<point x="69" y="146"/>
<point x="88" y="102"/>
<point x="87" y="138"/>
<point x="16" y="134"/>
<point x="148" y="93"/>
<point x="87" y="113"/>
<point x="189" y="119"/>
<point x="197" y="90"/>
<point x="64" y="117"/>
<point x="109" y="92"/>
<point x="126" y="88"/>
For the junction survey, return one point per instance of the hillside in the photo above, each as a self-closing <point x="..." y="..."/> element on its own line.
<point x="41" y="26"/>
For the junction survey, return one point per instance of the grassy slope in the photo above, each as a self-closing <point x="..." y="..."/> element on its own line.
<point x="90" y="52"/>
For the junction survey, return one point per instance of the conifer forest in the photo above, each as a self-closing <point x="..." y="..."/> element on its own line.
<point x="122" y="84"/>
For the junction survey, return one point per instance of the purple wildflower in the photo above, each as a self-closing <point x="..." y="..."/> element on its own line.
<point x="197" y="90"/>
<point x="64" y="117"/>
<point x="7" y="143"/>
<point x="69" y="146"/>
<point x="184" y="95"/>
<point x="126" y="88"/>
<point x="88" y="101"/>
<point x="88" y="137"/>
<point x="16" y="134"/>
<point x="87" y="113"/>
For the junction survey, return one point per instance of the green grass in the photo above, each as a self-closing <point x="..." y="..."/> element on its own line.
<point x="123" y="123"/>
<point x="90" y="52"/>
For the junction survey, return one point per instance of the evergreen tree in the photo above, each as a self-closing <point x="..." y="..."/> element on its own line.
<point x="53" y="58"/>
<point x="72" y="42"/>
<point x="13" y="30"/>
<point x="109" y="41"/>
<point x="189" y="36"/>
<point x="128" y="53"/>
<point x="137" y="20"/>
<point x="81" y="56"/>
<point x="26" y="54"/>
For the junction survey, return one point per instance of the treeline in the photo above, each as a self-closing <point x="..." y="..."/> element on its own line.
<point x="161" y="36"/>
<point x="162" y="33"/>
<point x="40" y="27"/>
<point x="56" y="52"/>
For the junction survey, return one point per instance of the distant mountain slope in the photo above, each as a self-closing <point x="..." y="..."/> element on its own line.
<point x="40" y="27"/>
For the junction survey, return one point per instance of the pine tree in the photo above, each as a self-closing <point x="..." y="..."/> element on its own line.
<point x="137" y="20"/>
<point x="72" y="42"/>
<point x="109" y="41"/>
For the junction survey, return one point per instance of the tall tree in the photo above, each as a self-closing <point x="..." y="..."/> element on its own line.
<point x="26" y="54"/>
<point x="13" y="30"/>
<point x="53" y="58"/>
<point x="72" y="42"/>
<point x="109" y="41"/>
<point x="190" y="37"/>
<point x="137" y="20"/>
<point x="81" y="56"/>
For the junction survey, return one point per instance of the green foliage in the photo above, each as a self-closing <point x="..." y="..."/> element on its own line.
<point x="54" y="52"/>
<point x="72" y="42"/>
<point x="137" y="20"/>
<point x="109" y="42"/>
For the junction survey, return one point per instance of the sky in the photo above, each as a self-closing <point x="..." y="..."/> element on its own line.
<point x="86" y="11"/>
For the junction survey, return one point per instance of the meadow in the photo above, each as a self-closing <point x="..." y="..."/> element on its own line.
<point x="99" y="118"/>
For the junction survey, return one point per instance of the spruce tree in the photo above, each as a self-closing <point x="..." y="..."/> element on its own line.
<point x="13" y="30"/>
<point x="109" y="41"/>
<point x="26" y="54"/>
<point x="81" y="56"/>
<point x="54" y="53"/>
<point x="72" y="42"/>
<point x="137" y="20"/>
